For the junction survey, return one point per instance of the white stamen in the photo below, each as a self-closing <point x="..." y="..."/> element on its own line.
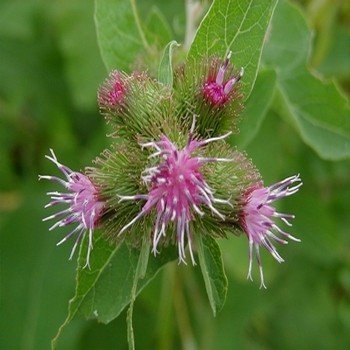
<point x="76" y="244"/>
<point x="137" y="217"/>
<point x="201" y="213"/>
<point x="54" y="178"/>
<point x="57" y="214"/>
<point x="279" y="240"/>
<point x="190" y="243"/>
<point x="136" y="197"/>
<point x="222" y="201"/>
<point x="286" y="234"/>
<point x="57" y="224"/>
<point x="156" y="154"/>
<point x="215" y="211"/>
<point x="87" y="264"/>
<point x="286" y="222"/>
<point x="155" y="234"/>
<point x="262" y="283"/>
<point x="193" y="126"/>
<point x="251" y="244"/>
<point x="213" y="139"/>
<point x="150" y="144"/>
<point x="79" y="227"/>
<point x="212" y="159"/>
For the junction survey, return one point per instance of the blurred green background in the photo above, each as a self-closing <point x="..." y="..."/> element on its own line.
<point x="49" y="73"/>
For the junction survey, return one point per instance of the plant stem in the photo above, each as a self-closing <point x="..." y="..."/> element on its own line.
<point x="165" y="327"/>
<point x="183" y="320"/>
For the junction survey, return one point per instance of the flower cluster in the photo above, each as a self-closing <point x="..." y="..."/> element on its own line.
<point x="172" y="170"/>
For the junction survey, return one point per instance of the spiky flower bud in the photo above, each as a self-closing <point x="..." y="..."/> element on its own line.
<point x="209" y="89"/>
<point x="136" y="104"/>
<point x="218" y="88"/>
<point x="84" y="206"/>
<point x="258" y="219"/>
<point x="111" y="94"/>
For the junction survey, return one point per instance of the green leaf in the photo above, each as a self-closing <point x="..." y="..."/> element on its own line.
<point x="139" y="273"/>
<point x="157" y="28"/>
<point x="213" y="271"/>
<point x="237" y="26"/>
<point x="256" y="107"/>
<point x="173" y="12"/>
<point x="36" y="276"/>
<point x="119" y="33"/>
<point x="316" y="108"/>
<point x="165" y="70"/>
<point x="105" y="290"/>
<point x="74" y="24"/>
<point x="336" y="61"/>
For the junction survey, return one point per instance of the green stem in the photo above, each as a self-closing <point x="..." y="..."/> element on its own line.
<point x="201" y="310"/>
<point x="183" y="319"/>
<point x="140" y="272"/>
<point x="165" y="327"/>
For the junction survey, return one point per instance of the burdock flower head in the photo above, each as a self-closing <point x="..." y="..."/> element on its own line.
<point x="210" y="89"/>
<point x="84" y="206"/>
<point x="258" y="219"/>
<point x="177" y="190"/>
<point x="111" y="94"/>
<point x="218" y="88"/>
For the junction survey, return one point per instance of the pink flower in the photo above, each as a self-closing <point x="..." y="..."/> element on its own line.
<point x="84" y="207"/>
<point x="217" y="89"/>
<point x="111" y="93"/>
<point x="258" y="219"/>
<point x="177" y="190"/>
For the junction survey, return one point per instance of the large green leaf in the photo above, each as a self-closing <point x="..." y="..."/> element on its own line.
<point x="36" y="276"/>
<point x="336" y="61"/>
<point x="239" y="26"/>
<point x="82" y="63"/>
<point x="157" y="28"/>
<point x="119" y="33"/>
<point x="213" y="271"/>
<point x="171" y="13"/>
<point x="105" y="290"/>
<point x="256" y="107"/>
<point x="316" y="108"/>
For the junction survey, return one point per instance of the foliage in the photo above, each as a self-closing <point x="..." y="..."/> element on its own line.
<point x="293" y="121"/>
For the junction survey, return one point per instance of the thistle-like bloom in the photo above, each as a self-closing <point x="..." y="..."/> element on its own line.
<point x="258" y="219"/>
<point x="84" y="206"/>
<point x="111" y="93"/>
<point x="177" y="190"/>
<point x="216" y="89"/>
